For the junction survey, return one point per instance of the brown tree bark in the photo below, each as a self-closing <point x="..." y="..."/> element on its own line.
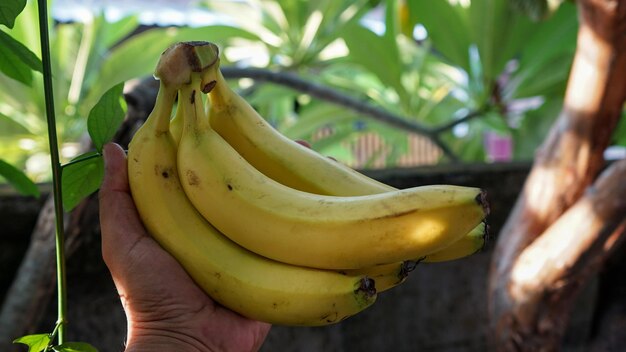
<point x="565" y="165"/>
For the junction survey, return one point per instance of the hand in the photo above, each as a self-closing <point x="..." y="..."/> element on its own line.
<point x="165" y="309"/>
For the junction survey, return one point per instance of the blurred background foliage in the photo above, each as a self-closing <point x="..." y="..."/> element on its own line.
<point x="479" y="77"/>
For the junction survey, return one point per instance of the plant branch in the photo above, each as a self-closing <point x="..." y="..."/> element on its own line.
<point x="82" y="158"/>
<point x="56" y="168"/>
<point x="469" y="116"/>
<point x="331" y="95"/>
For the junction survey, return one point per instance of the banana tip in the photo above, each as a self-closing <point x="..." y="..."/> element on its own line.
<point x="407" y="267"/>
<point x="487" y="237"/>
<point x="481" y="199"/>
<point x="367" y="286"/>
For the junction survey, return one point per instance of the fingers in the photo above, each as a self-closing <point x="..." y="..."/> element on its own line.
<point x="120" y="224"/>
<point x="303" y="143"/>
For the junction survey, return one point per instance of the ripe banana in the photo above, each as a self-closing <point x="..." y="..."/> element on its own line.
<point x="308" y="229"/>
<point x="295" y="165"/>
<point x="243" y="281"/>
<point x="469" y="244"/>
<point x="175" y="190"/>
<point x="277" y="156"/>
<point x="176" y="126"/>
<point x="386" y="276"/>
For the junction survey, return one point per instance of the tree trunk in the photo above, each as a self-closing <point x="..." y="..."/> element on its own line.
<point x="566" y="164"/>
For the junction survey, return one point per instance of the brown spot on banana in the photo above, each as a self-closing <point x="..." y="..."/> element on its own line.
<point x="192" y="178"/>
<point x="163" y="171"/>
<point x="330" y="317"/>
<point x="209" y="87"/>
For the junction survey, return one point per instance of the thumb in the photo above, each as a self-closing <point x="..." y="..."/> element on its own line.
<point x="115" y="169"/>
<point x="120" y="224"/>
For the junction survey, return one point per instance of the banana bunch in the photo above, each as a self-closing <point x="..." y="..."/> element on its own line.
<point x="268" y="227"/>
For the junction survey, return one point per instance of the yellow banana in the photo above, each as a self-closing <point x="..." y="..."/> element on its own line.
<point x="293" y="164"/>
<point x="277" y="156"/>
<point x="176" y="126"/>
<point x="243" y="281"/>
<point x="390" y="275"/>
<point x="386" y="276"/>
<point x="308" y="229"/>
<point x="469" y="244"/>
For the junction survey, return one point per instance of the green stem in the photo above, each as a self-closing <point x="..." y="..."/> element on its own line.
<point x="56" y="168"/>
<point x="82" y="158"/>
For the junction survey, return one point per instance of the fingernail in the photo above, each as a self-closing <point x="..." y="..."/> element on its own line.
<point x="106" y="154"/>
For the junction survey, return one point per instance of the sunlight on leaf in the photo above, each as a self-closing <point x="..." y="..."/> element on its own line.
<point x="74" y="347"/>
<point x="18" y="179"/>
<point x="9" y="10"/>
<point x="81" y="178"/>
<point x="36" y="342"/>
<point x="106" y="117"/>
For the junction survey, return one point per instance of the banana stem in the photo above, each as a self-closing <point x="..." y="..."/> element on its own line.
<point x="190" y="100"/>
<point x="217" y="95"/>
<point x="56" y="169"/>
<point x="163" y="108"/>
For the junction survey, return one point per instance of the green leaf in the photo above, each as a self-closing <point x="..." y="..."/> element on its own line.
<point x="377" y="54"/>
<point x="81" y="178"/>
<point x="447" y="27"/>
<point x="9" y="10"/>
<point x="114" y="32"/>
<point x="534" y="127"/>
<point x="11" y="127"/>
<point x="314" y="118"/>
<point x="35" y="342"/>
<point x="14" y="68"/>
<point x="106" y="116"/>
<point x="495" y="122"/>
<point x="19" y="50"/>
<point x="74" y="347"/>
<point x="545" y="57"/>
<point x="18" y="179"/>
<point x="332" y="145"/>
<point x="490" y="24"/>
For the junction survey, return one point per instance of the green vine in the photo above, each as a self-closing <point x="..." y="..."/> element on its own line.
<point x="71" y="183"/>
<point x="57" y="170"/>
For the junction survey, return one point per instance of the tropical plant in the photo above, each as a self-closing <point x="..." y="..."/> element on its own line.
<point x="481" y="68"/>
<point x="513" y="66"/>
<point x="88" y="58"/>
<point x="77" y="51"/>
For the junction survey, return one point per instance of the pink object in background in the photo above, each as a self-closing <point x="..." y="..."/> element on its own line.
<point x="498" y="147"/>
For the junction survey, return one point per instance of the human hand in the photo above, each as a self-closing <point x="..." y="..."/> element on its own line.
<point x="165" y="309"/>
